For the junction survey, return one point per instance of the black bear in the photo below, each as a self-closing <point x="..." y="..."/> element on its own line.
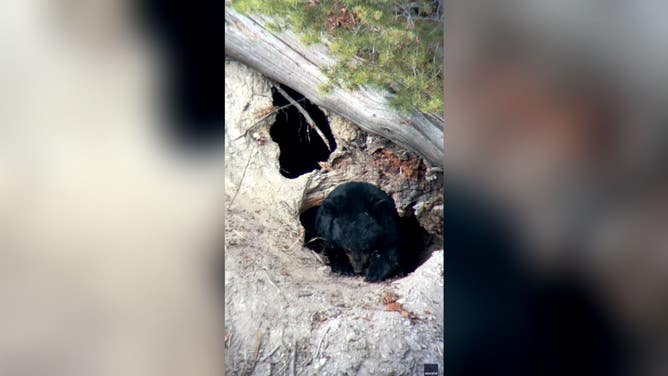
<point x="359" y="228"/>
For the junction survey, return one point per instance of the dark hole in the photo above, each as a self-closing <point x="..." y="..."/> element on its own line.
<point x="307" y="219"/>
<point x="301" y="147"/>
<point x="415" y="243"/>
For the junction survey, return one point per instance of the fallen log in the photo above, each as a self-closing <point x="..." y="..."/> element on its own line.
<point x="281" y="56"/>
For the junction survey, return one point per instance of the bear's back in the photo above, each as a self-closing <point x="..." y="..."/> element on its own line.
<point x="357" y="197"/>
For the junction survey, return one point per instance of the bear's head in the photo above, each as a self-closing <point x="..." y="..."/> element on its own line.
<point x="358" y="236"/>
<point x="353" y="227"/>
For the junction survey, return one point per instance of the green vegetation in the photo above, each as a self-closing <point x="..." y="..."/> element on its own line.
<point x="393" y="45"/>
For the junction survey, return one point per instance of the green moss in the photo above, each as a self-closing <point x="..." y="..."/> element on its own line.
<point x="378" y="43"/>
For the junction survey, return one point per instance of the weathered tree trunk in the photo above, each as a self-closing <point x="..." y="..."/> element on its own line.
<point x="282" y="57"/>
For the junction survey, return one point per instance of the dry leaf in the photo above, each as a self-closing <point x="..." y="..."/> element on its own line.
<point x="389" y="297"/>
<point x="393" y="307"/>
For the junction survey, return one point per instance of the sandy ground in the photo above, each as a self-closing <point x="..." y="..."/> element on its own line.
<point x="285" y="310"/>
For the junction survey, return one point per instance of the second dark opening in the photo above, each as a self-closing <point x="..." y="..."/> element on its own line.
<point x="301" y="146"/>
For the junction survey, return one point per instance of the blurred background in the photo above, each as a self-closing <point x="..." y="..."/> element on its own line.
<point x="555" y="191"/>
<point x="111" y="187"/>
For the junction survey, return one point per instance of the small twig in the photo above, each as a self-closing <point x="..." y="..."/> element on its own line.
<point x="270" y="281"/>
<point x="288" y="105"/>
<point x="256" y="353"/>
<point x="317" y="352"/>
<point x="285" y="365"/>
<point x="258" y="340"/>
<point x="313" y="239"/>
<point x="270" y="353"/>
<point x="273" y="111"/>
<point x="243" y="175"/>
<point x="317" y="257"/>
<point x="293" y="361"/>
<point x="308" y="131"/>
<point x="306" y="115"/>
<point x="293" y="244"/>
<point x="252" y="127"/>
<point x="228" y="340"/>
<point x="306" y="362"/>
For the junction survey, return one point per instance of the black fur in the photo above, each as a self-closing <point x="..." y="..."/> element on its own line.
<point x="359" y="228"/>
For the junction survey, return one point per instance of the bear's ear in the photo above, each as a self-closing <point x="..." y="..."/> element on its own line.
<point x="382" y="204"/>
<point x="335" y="204"/>
<point x="328" y="207"/>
